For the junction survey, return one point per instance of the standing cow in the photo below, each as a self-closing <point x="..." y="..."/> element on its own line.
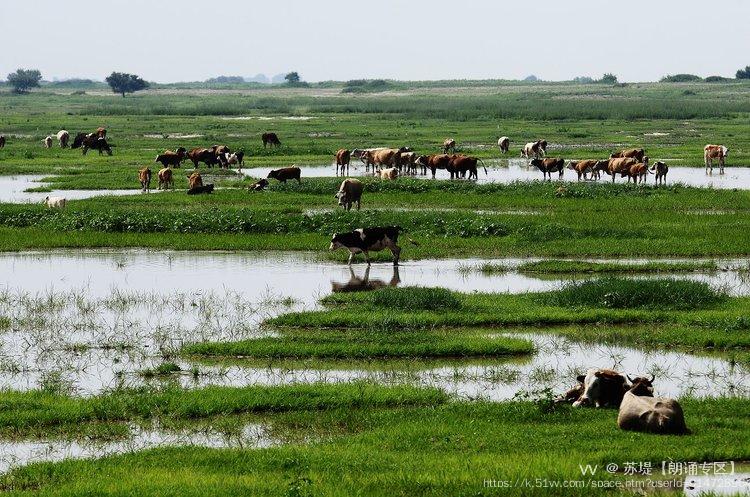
<point x="534" y="149"/>
<point x="165" y="178"/>
<point x="144" y="175"/>
<point x="504" y="143"/>
<point x="632" y="153"/>
<point x="366" y="240"/>
<point x="343" y="157"/>
<point x="47" y="142"/>
<point x="62" y="138"/>
<point x="621" y="166"/>
<point x="286" y="173"/>
<point x="350" y="192"/>
<point x="449" y="144"/>
<point x="714" y="152"/>
<point x="660" y="169"/>
<point x="2" y="141"/>
<point x="549" y="166"/>
<point x="270" y="139"/>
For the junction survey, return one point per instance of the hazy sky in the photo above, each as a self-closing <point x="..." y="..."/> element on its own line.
<point x="188" y="40"/>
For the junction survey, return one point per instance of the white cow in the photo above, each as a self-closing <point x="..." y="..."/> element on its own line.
<point x="641" y="411"/>
<point x="47" y="142"/>
<point x="55" y="202"/>
<point x="63" y="137"/>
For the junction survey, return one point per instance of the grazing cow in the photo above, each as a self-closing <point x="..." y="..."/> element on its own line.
<point x="205" y="155"/>
<point x="194" y="180"/>
<point x="91" y="141"/>
<point x="583" y="167"/>
<point x="47" y="142"/>
<point x="235" y="159"/>
<point x="259" y="185"/>
<point x="101" y="132"/>
<point x="366" y="240"/>
<point x="364" y="284"/>
<point x="639" y="172"/>
<point x="660" y="169"/>
<point x="2" y="141"/>
<point x="461" y="164"/>
<point x="270" y="139"/>
<point x="435" y="162"/>
<point x="390" y="174"/>
<point x="144" y="175"/>
<point x="536" y="149"/>
<point x="715" y="152"/>
<point x="174" y="159"/>
<point x="504" y="143"/>
<point x="55" y="202"/>
<point x="286" y="173"/>
<point x="62" y="138"/>
<point x="641" y="411"/>
<point x="201" y="189"/>
<point x="632" y="153"/>
<point x="602" y="388"/>
<point x="350" y="192"/>
<point x="343" y="157"/>
<point x="449" y="144"/>
<point x="620" y="166"/>
<point x="549" y="166"/>
<point x="165" y="178"/>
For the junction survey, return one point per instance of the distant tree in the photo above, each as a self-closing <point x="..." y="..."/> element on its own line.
<point x="226" y="79"/>
<point x="743" y="73"/>
<point x="608" y="78"/>
<point x="583" y="79"/>
<point x="716" y="79"/>
<point x="24" y="79"/>
<point x="531" y="78"/>
<point x="680" y="78"/>
<point x="292" y="78"/>
<point x="123" y="83"/>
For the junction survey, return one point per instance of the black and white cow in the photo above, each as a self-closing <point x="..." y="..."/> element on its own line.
<point x="365" y="240"/>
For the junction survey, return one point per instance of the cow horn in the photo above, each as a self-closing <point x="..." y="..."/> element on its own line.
<point x="631" y="380"/>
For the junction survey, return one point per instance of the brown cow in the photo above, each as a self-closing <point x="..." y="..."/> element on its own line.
<point x="195" y="180"/>
<point x="286" y="173"/>
<point x="174" y="159"/>
<point x="711" y="152"/>
<point x="91" y="141"/>
<point x="350" y="192"/>
<point x="449" y="144"/>
<point x="165" y="178"/>
<point x="549" y="166"/>
<point x="259" y="185"/>
<point x="460" y="164"/>
<point x="385" y="157"/>
<point x="205" y="155"/>
<point x="144" y="175"/>
<point x="641" y="411"/>
<point x="601" y="165"/>
<point x="343" y="157"/>
<point x="620" y="166"/>
<point x="633" y="153"/>
<point x="660" y="169"/>
<point x="536" y="149"/>
<point x="583" y="167"/>
<point x="434" y="162"/>
<point x="504" y="143"/>
<point x="639" y="172"/>
<point x="2" y="141"/>
<point x="270" y="139"/>
<point x="407" y="161"/>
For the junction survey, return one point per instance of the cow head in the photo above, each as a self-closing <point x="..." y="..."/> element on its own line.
<point x="181" y="152"/>
<point x="641" y="386"/>
<point x="336" y="242"/>
<point x="601" y="387"/>
<point x="724" y="151"/>
<point x="78" y="140"/>
<point x="273" y="174"/>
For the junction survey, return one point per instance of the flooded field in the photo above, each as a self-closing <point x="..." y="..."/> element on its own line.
<point x="13" y="190"/>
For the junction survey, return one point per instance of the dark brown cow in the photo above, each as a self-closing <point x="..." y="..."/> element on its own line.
<point x="549" y="166"/>
<point x="91" y="141"/>
<point x="286" y="173"/>
<point x="435" y="162"/>
<point x="270" y="139"/>
<point x="461" y="164"/>
<point x="601" y="165"/>
<point x="2" y="141"/>
<point x="632" y="153"/>
<point x="205" y="155"/>
<point x="259" y="185"/>
<point x="174" y="159"/>
<point x="660" y="169"/>
<point x="343" y="157"/>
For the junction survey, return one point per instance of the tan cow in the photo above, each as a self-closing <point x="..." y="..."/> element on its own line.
<point x="641" y="411"/>
<point x="350" y="192"/>
<point x="633" y="153"/>
<point x="144" y="175"/>
<point x="343" y="157"/>
<point x="165" y="178"/>
<point x="449" y="144"/>
<point x="639" y="172"/>
<point x="660" y="169"/>
<point x="534" y="149"/>
<point x="390" y="174"/>
<point x="504" y="143"/>
<point x="620" y="166"/>
<point x="387" y="157"/>
<point x="583" y="167"/>
<point x="195" y="180"/>
<point x="714" y="152"/>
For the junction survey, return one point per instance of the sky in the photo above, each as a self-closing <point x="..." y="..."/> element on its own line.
<point x="192" y="40"/>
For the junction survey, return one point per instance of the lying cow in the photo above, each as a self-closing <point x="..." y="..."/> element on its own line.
<point x="364" y="284"/>
<point x="173" y="159"/>
<point x="504" y="143"/>
<point x="629" y="153"/>
<point x="62" y="138"/>
<point x="660" y="169"/>
<point x="641" y="411"/>
<point x="536" y="149"/>
<point x="270" y="139"/>
<point x="714" y="152"/>
<point x="620" y="166"/>
<point x="259" y="185"/>
<point x="55" y="202"/>
<point x="201" y="189"/>
<point x="286" y="173"/>
<point x="166" y="179"/>
<point x="549" y="166"/>
<point x="389" y="174"/>
<point x="343" y="157"/>
<point x="194" y="180"/>
<point x="144" y="176"/>
<point x="350" y="192"/>
<point x="366" y="240"/>
<point x="449" y="144"/>
<point x="47" y="142"/>
<point x="602" y="388"/>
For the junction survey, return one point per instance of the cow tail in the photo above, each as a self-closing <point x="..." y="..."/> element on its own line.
<point x="484" y="166"/>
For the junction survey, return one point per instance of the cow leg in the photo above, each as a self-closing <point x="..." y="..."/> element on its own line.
<point x="367" y="257"/>
<point x="357" y="204"/>
<point x="351" y="257"/>
<point x="396" y="251"/>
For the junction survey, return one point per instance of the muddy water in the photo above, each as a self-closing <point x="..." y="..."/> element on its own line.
<point x="510" y="170"/>
<point x="13" y="190"/>
<point x="97" y="320"/>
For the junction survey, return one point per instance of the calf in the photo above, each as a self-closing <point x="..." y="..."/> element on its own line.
<point x="286" y="173"/>
<point x="366" y="240"/>
<point x="350" y="192"/>
<point x="639" y="172"/>
<point x="201" y="189"/>
<point x="632" y="153"/>
<point x="389" y="174"/>
<point x="343" y="157"/>
<point x="602" y="388"/>
<point x="641" y="411"/>
<point x="62" y="138"/>
<point x="449" y="144"/>
<point x="47" y="142"/>
<point x="714" y="152"/>
<point x="195" y="180"/>
<point x="259" y="185"/>
<point x="55" y="202"/>
<point x="620" y="166"/>
<point x="144" y="175"/>
<point x="549" y="166"/>
<point x="174" y="159"/>
<point x="270" y="139"/>
<point x="660" y="169"/>
<point x="165" y="178"/>
<point x="504" y="143"/>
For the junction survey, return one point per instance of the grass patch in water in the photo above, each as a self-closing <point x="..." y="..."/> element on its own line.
<point x="565" y="266"/>
<point x="392" y="343"/>
<point x="417" y="298"/>
<point x="622" y="293"/>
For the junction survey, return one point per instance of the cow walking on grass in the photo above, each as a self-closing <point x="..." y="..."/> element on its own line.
<point x="144" y="176"/>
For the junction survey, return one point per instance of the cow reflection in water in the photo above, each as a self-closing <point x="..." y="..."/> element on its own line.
<point x="364" y="284"/>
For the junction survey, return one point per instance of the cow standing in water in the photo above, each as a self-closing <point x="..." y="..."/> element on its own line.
<point x="504" y="143"/>
<point x="714" y="152"/>
<point x="660" y="169"/>
<point x="366" y="240"/>
<point x="343" y="157"/>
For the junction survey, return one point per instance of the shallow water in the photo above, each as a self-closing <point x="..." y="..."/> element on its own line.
<point x="510" y="170"/>
<point x="12" y="190"/>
